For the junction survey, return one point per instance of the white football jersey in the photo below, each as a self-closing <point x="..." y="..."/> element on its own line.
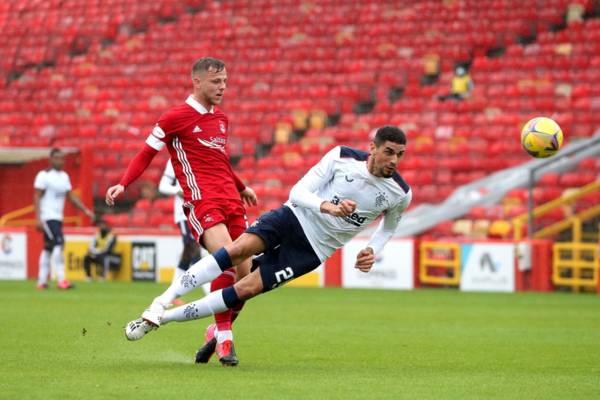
<point x="170" y="186"/>
<point x="55" y="184"/>
<point x="342" y="174"/>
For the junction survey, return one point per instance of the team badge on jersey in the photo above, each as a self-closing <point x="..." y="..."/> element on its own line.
<point x="380" y="199"/>
<point x="222" y="126"/>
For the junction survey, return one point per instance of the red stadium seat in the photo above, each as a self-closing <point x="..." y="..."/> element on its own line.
<point x="118" y="91"/>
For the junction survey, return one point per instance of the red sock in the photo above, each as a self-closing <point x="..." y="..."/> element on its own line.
<point x="226" y="279"/>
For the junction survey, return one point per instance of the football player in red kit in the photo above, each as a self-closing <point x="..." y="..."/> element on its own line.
<point x="195" y="134"/>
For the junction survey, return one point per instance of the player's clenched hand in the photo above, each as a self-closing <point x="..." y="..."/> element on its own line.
<point x="112" y="193"/>
<point x="365" y="260"/>
<point x="249" y="196"/>
<point x="344" y="208"/>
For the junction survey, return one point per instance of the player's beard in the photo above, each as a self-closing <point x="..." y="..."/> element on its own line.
<point x="387" y="171"/>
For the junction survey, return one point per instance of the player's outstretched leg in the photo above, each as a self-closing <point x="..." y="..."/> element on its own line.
<point x="201" y="272"/>
<point x="211" y="304"/>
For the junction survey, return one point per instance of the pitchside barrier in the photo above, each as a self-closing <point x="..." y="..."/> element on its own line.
<point x="575" y="266"/>
<point x="499" y="266"/>
<point x="503" y="266"/>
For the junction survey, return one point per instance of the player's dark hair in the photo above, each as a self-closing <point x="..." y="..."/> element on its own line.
<point x="54" y="151"/>
<point x="389" y="133"/>
<point x="206" y="63"/>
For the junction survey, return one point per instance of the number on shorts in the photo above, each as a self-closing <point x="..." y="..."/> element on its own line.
<point x="284" y="275"/>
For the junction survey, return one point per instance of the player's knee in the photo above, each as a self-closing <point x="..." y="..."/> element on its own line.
<point x="249" y="287"/>
<point x="236" y="252"/>
<point x="243" y="268"/>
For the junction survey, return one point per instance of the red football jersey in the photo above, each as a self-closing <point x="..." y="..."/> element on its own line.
<point x="197" y="139"/>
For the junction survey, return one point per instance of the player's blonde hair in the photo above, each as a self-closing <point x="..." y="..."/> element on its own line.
<point x="206" y="63"/>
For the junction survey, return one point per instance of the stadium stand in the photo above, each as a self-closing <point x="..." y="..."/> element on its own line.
<point x="101" y="79"/>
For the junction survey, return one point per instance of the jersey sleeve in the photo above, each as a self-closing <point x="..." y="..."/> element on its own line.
<point x="388" y="225"/>
<point x="138" y="165"/>
<point x="69" y="185"/>
<point x="161" y="133"/>
<point x="303" y="192"/>
<point x="40" y="182"/>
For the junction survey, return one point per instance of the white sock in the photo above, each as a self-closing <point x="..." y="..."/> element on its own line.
<point x="206" y="288"/>
<point x="44" y="267"/>
<point x="223" y="336"/>
<point x="177" y="274"/>
<point x="212" y="304"/>
<point x="201" y="272"/>
<point x="59" y="263"/>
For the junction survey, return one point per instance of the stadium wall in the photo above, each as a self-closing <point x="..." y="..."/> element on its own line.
<point x="151" y="255"/>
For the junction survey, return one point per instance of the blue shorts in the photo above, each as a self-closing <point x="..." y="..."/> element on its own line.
<point x="288" y="254"/>
<point x="186" y="233"/>
<point x="53" y="234"/>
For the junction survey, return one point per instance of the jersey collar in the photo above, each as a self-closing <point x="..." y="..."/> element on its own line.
<point x="192" y="102"/>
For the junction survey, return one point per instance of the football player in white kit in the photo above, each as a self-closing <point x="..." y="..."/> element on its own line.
<point x="338" y="198"/>
<point x="52" y="185"/>
<point x="192" y="251"/>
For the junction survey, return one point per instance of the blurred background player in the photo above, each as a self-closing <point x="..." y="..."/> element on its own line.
<point x="337" y="199"/>
<point x="196" y="134"/>
<point x="191" y="249"/>
<point x="51" y="186"/>
<point x="101" y="253"/>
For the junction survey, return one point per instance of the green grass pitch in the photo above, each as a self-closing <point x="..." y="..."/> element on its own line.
<point x="304" y="344"/>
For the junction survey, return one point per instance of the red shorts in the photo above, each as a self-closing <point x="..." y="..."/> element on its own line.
<point x="204" y="214"/>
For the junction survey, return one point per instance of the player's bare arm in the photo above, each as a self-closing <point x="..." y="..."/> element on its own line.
<point x="73" y="198"/>
<point x="345" y="208"/>
<point x="112" y="193"/>
<point x="365" y="259"/>
<point x="136" y="167"/>
<point x="249" y="197"/>
<point x="37" y="195"/>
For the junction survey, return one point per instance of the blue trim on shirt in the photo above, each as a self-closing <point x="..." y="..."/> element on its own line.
<point x="348" y="152"/>
<point x="400" y="181"/>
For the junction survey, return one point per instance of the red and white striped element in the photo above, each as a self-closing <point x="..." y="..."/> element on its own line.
<point x="193" y="220"/>
<point x="187" y="170"/>
<point x="154" y="139"/>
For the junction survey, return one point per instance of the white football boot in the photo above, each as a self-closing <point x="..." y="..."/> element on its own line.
<point x="154" y="313"/>
<point x="137" y="329"/>
<point x="150" y="320"/>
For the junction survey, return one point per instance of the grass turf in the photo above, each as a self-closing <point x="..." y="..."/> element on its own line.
<point x="304" y="343"/>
